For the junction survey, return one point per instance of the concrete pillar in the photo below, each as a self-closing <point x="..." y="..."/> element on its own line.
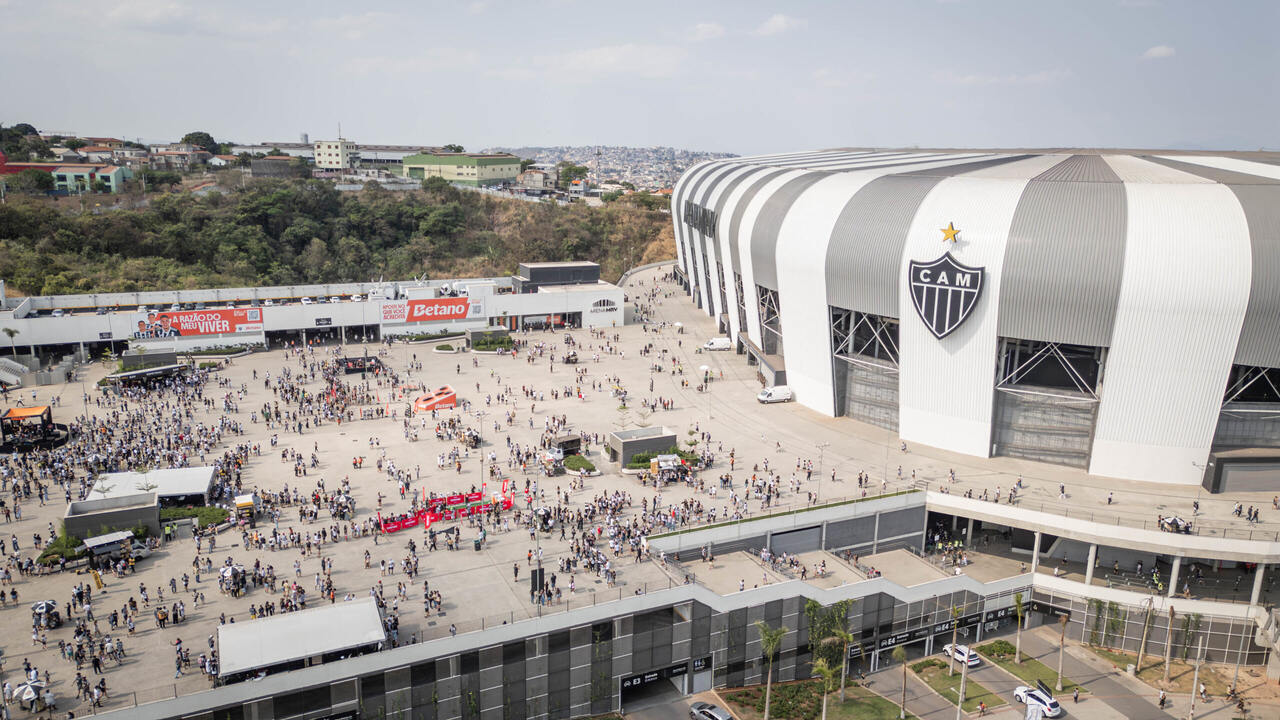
<point x="875" y="537"/>
<point x="1093" y="559"/>
<point x="822" y="543"/>
<point x="955" y="523"/>
<point x="968" y="534"/>
<point x="343" y="328"/>
<point x="1257" y="584"/>
<point x="1173" y="575"/>
<point x="1035" y="553"/>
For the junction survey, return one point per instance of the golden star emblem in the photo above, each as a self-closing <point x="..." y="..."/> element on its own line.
<point x="950" y="232"/>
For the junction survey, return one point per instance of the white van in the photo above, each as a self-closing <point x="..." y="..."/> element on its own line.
<point x="777" y="393"/>
<point x="718" y="343"/>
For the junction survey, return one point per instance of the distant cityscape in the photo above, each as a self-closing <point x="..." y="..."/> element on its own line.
<point x="648" y="168"/>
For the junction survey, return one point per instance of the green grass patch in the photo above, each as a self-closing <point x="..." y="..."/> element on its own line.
<point x="785" y="513"/>
<point x="802" y="700"/>
<point x="934" y="674"/>
<point x="210" y="365"/>
<point x="203" y="515"/>
<point x="445" y="346"/>
<point x="62" y="547"/>
<point x="1029" y="670"/>
<point x="577" y="462"/>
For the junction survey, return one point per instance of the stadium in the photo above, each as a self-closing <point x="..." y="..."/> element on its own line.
<point x="1115" y="312"/>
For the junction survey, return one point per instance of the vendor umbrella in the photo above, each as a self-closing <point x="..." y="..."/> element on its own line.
<point x="29" y="690"/>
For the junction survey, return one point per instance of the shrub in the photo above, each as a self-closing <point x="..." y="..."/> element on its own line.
<point x="640" y="461"/>
<point x="210" y="365"/>
<point x="203" y="515"/>
<point x="926" y="664"/>
<point x="577" y="462"/>
<point x="493" y="343"/>
<point x="999" y="649"/>
<point x="444" y="346"/>
<point x="63" y="547"/>
<point x="430" y="336"/>
<point x="232" y="350"/>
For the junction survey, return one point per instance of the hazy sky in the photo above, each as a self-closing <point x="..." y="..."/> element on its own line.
<point x="735" y="76"/>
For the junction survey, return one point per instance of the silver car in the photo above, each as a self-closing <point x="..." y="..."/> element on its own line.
<point x="707" y="711"/>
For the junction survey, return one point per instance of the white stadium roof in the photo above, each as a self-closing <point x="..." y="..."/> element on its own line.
<point x="293" y="636"/>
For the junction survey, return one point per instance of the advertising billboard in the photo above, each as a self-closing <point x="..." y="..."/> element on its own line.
<point x="413" y="311"/>
<point x="194" y="323"/>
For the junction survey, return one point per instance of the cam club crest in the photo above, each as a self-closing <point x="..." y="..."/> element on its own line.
<point x="944" y="292"/>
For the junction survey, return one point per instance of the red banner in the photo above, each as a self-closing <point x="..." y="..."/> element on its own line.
<point x="435" y="512"/>
<point x="194" y="323"/>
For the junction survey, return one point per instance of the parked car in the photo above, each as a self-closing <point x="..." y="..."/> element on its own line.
<point x="707" y="711"/>
<point x="357" y="298"/>
<point x="718" y="343"/>
<point x="59" y="312"/>
<point x="101" y="311"/>
<point x="1039" y="698"/>
<point x="335" y="299"/>
<point x="777" y="393"/>
<point x="268" y="302"/>
<point x="231" y="306"/>
<point x="307" y="301"/>
<point x="963" y="654"/>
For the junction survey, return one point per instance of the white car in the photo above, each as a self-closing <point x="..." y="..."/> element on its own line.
<point x="231" y="306"/>
<point x="307" y="301"/>
<point x="268" y="302"/>
<point x="357" y="298"/>
<point x="1035" y="697"/>
<point x="963" y="654"/>
<point x="59" y="312"/>
<point x="335" y="299"/>
<point x="718" y="343"/>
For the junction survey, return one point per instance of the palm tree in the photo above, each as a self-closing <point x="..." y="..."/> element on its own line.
<point x="900" y="656"/>
<point x="10" y="332"/>
<point x="844" y="639"/>
<point x="955" y="628"/>
<point x="1017" y="606"/>
<point x="1062" y="644"/>
<point x="770" y="641"/>
<point x="828" y="674"/>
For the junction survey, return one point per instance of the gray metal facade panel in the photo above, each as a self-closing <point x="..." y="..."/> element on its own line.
<point x="706" y="195"/>
<point x="865" y="253"/>
<point x="960" y="169"/>
<point x="764" y="237"/>
<point x="736" y="221"/>
<point x="1260" y="335"/>
<point x="1259" y="197"/>
<point x="1063" y="263"/>
<point x="1080" y="168"/>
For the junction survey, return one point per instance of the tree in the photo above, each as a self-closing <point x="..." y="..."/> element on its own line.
<point x="202" y="140"/>
<point x="454" y="148"/>
<point x="900" y="656"/>
<point x="99" y="186"/>
<point x="10" y="333"/>
<point x="955" y="628"/>
<point x="1062" y="644"/>
<point x="435" y="183"/>
<point x="525" y="163"/>
<point x="75" y="144"/>
<point x="827" y="674"/>
<point x="570" y="172"/>
<point x="770" y="641"/>
<point x="1017" y="607"/>
<point x="844" y="639"/>
<point x="32" y="180"/>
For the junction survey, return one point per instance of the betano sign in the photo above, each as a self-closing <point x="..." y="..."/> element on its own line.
<point x="413" y="311"/>
<point x="195" y="323"/>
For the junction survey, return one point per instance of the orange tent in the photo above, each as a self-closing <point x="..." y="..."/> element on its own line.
<point x="443" y="397"/>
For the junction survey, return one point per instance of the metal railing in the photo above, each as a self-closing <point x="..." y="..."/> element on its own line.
<point x="1262" y="532"/>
